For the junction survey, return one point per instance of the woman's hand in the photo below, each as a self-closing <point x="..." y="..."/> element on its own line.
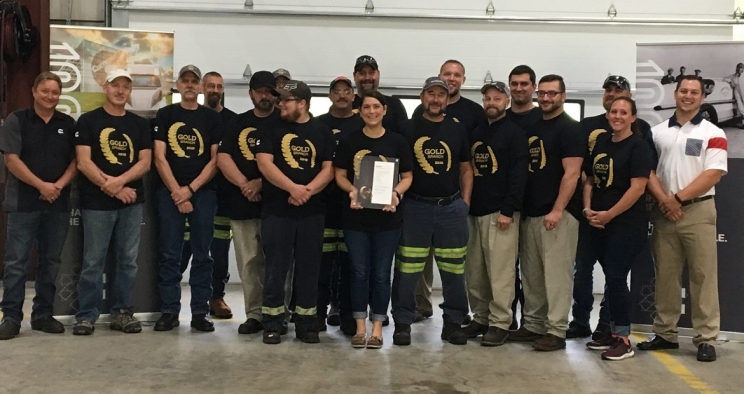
<point x="598" y="219"/>
<point x="353" y="197"/>
<point x="393" y="204"/>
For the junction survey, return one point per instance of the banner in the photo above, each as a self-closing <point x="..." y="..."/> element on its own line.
<point x="82" y="56"/>
<point x="720" y="66"/>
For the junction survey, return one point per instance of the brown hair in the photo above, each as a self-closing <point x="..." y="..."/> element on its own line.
<point x="47" y="76"/>
<point x="633" y="111"/>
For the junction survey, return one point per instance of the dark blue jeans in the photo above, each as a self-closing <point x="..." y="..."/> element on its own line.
<point x="172" y="226"/>
<point x="49" y="229"/>
<point x="371" y="257"/>
<point x="583" y="288"/>
<point x="121" y="230"/>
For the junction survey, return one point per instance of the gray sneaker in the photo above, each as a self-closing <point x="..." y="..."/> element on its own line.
<point x="126" y="323"/>
<point x="83" y="327"/>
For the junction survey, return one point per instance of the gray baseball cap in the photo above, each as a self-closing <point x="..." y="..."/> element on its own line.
<point x="294" y="88"/>
<point x="435" y="81"/>
<point x="282" y="72"/>
<point x="190" y="68"/>
<point x="498" y="85"/>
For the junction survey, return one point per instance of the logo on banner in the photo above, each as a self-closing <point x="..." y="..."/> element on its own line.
<point x="245" y="143"/>
<point x="113" y="149"/>
<point x="439" y="156"/>
<point x="183" y="144"/>
<point x="483" y="160"/>
<point x="296" y="154"/>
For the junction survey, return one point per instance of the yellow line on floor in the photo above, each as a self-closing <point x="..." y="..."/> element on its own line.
<point x="678" y="369"/>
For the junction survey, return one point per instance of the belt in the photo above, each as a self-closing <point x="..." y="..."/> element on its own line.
<point x="696" y="199"/>
<point x="439" y="201"/>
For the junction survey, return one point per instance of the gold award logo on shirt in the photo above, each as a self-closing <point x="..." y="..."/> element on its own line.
<point x="181" y="143"/>
<point x="481" y="160"/>
<point x="245" y="143"/>
<point x="113" y="149"/>
<point x="593" y="138"/>
<point x="425" y="156"/>
<point x="603" y="171"/>
<point x="294" y="154"/>
<point x="537" y="153"/>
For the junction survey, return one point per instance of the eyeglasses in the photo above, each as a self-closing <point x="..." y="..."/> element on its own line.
<point x="549" y="93"/>
<point x="344" y="92"/>
<point x="284" y="100"/>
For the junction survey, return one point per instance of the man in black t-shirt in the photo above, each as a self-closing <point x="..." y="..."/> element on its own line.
<point x="549" y="233"/>
<point x="434" y="214"/>
<point x="114" y="151"/>
<point x="334" y="280"/>
<point x="367" y="77"/>
<point x="499" y="150"/>
<point x="295" y="159"/>
<point x="237" y="161"/>
<point x="185" y="154"/>
<point x="37" y="145"/>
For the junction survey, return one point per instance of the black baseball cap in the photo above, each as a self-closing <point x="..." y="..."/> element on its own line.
<point x="618" y="81"/>
<point x="365" y="60"/>
<point x="341" y="79"/>
<point x="294" y="88"/>
<point x="435" y="81"/>
<point x="262" y="79"/>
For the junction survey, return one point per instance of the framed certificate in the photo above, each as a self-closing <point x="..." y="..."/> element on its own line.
<point x="377" y="177"/>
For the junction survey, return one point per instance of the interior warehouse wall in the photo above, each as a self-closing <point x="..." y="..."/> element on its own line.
<point x="317" y="49"/>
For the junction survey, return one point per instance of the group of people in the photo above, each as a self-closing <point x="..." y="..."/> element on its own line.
<point x="483" y="191"/>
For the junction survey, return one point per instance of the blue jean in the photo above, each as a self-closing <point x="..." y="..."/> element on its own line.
<point x="119" y="229"/>
<point x="172" y="227"/>
<point x="583" y="288"/>
<point x="50" y="231"/>
<point x="371" y="257"/>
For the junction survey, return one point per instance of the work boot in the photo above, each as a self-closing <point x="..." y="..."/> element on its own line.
<point x="523" y="335"/>
<point x="453" y="333"/>
<point x="474" y="329"/>
<point x="9" y="330"/>
<point x="48" y="325"/>
<point x="576" y="330"/>
<point x="402" y="335"/>
<point x="126" y="323"/>
<point x="602" y="330"/>
<point x="549" y="343"/>
<point x="219" y="309"/>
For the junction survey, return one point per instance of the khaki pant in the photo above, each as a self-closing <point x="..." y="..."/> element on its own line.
<point x="423" y="288"/>
<point x="691" y="239"/>
<point x="547" y="259"/>
<point x="490" y="269"/>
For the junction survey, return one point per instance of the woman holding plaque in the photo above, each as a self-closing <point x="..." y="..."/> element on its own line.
<point x="374" y="167"/>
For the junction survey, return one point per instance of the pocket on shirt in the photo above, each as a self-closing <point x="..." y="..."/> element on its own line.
<point x="693" y="147"/>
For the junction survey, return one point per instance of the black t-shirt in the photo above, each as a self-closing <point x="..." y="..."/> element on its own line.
<point x="299" y="150"/>
<point x="115" y="143"/>
<point x="438" y="149"/>
<point x="396" y="112"/>
<point x="188" y="136"/>
<point x="525" y="120"/>
<point x="613" y="165"/>
<point x="551" y="141"/>
<point x="341" y="127"/>
<point x="466" y="111"/>
<point x="239" y="142"/>
<point x="500" y="158"/>
<point x="220" y="182"/>
<point x="596" y="125"/>
<point x="350" y="151"/>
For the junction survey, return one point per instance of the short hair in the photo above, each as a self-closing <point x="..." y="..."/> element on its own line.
<point x="454" y="62"/>
<point x="47" y="76"/>
<point x="374" y="94"/>
<point x="523" y="69"/>
<point x="691" y="78"/>
<point x="211" y="74"/>
<point x="553" y="78"/>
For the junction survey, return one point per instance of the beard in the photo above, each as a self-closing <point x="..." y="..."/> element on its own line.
<point x="494" y="112"/>
<point x="433" y="113"/>
<point x="552" y="108"/>
<point x="292" y="116"/>
<point x="264" y="105"/>
<point x="213" y="100"/>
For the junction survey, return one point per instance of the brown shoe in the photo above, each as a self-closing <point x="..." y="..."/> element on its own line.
<point x="359" y="341"/>
<point x="219" y="309"/>
<point x="374" y="342"/>
<point x="549" y="343"/>
<point x="523" y="335"/>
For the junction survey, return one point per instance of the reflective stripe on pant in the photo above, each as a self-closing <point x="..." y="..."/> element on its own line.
<point x="286" y="240"/>
<point x="446" y="230"/>
<point x="547" y="259"/>
<point x="490" y="269"/>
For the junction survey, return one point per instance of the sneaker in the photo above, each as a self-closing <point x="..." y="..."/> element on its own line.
<point x="271" y="337"/>
<point x="83" y="327"/>
<point x="9" y="330"/>
<point x="576" y="330"/>
<point x="126" y="323"/>
<point x="48" y="325"/>
<point x="453" y="333"/>
<point x="474" y="329"/>
<point x="620" y="350"/>
<point x="333" y="318"/>
<point x="602" y="330"/>
<point x="523" y="335"/>
<point x="359" y="341"/>
<point x="251" y="326"/>
<point x="603" y="343"/>
<point x="219" y="309"/>
<point x="495" y="337"/>
<point x="402" y="335"/>
<point x="549" y="343"/>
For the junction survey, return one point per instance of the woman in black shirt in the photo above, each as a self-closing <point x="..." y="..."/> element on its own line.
<point x="371" y="235"/>
<point x="617" y="172"/>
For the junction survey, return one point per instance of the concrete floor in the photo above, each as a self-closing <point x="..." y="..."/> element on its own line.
<point x="187" y="361"/>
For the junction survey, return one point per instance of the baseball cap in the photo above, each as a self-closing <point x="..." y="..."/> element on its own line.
<point x="282" y="72"/>
<point x="113" y="74"/>
<point x="190" y="68"/>
<point x="341" y="79"/>
<point x="435" y="81"/>
<point x="365" y="60"/>
<point x="500" y="86"/>
<point x="262" y="79"/>
<point x="295" y="88"/>
<point x="617" y="80"/>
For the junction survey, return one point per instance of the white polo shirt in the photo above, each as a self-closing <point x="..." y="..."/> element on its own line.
<point x="685" y="151"/>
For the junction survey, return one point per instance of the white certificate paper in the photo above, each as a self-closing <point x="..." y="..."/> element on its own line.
<point x="383" y="182"/>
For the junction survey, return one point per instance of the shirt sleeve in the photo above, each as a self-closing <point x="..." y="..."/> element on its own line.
<point x="341" y="160"/>
<point x="648" y="136"/>
<point x="82" y="133"/>
<point x="573" y="141"/>
<point x="329" y="144"/>
<point x="405" y="155"/>
<point x="264" y="142"/>
<point x="641" y="161"/>
<point x="229" y="138"/>
<point x="145" y="133"/>
<point x="10" y="135"/>
<point x="218" y="128"/>
<point x="160" y="127"/>
<point x="716" y="152"/>
<point x="465" y="154"/>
